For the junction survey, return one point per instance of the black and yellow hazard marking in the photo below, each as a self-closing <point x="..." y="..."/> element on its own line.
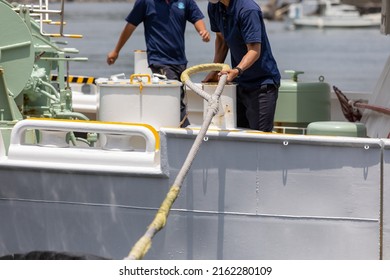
<point x="75" y="79"/>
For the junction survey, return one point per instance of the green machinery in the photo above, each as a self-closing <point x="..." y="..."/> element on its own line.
<point x="300" y="103"/>
<point x="28" y="58"/>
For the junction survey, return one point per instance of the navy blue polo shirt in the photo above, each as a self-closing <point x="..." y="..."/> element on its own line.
<point x="242" y="23"/>
<point x="165" y="25"/>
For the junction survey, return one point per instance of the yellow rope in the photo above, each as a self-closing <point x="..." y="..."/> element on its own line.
<point x="203" y="68"/>
<point x="142" y="246"/>
<point x="165" y="207"/>
<point x="145" y="242"/>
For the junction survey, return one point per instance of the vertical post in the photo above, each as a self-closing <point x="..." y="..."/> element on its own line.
<point x="385" y="20"/>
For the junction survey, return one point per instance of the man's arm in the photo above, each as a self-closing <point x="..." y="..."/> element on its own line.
<point x="220" y="54"/>
<point x="202" y="31"/>
<point x="221" y="48"/>
<point x="125" y="35"/>
<point x="253" y="54"/>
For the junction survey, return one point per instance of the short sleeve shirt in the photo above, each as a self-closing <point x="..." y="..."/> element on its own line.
<point x="164" y="27"/>
<point x="242" y="23"/>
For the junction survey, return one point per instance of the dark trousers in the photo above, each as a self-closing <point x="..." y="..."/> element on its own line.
<point x="173" y="72"/>
<point x="256" y="107"/>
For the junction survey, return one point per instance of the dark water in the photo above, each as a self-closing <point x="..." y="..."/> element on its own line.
<point x="351" y="59"/>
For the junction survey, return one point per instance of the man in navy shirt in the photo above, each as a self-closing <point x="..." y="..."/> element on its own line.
<point x="164" y="27"/>
<point x="240" y="28"/>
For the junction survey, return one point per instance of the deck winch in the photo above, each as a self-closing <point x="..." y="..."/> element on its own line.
<point x="28" y="57"/>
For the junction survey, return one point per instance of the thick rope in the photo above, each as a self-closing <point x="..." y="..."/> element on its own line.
<point x="142" y="246"/>
<point x="350" y="113"/>
<point x="349" y="107"/>
<point x="203" y="68"/>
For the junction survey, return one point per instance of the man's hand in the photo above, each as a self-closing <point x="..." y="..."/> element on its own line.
<point x="231" y="74"/>
<point x="205" y="35"/>
<point x="111" y="57"/>
<point x="212" y="77"/>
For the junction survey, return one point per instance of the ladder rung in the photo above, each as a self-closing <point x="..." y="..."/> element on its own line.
<point x="57" y="22"/>
<point x="49" y="21"/>
<point x="46" y="11"/>
<point x="57" y="35"/>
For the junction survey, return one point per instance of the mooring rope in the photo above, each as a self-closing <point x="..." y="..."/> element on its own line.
<point x="142" y="246"/>
<point x="350" y="107"/>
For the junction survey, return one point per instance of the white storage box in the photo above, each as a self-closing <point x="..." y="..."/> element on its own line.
<point x="226" y="118"/>
<point x="124" y="100"/>
<point x="197" y="107"/>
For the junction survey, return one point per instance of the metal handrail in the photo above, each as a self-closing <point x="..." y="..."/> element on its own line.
<point x="42" y="10"/>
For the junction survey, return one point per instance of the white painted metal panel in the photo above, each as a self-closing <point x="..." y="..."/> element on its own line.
<point x="247" y="196"/>
<point x="311" y="198"/>
<point x="386" y="199"/>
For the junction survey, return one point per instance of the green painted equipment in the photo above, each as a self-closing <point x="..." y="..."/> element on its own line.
<point x="337" y="129"/>
<point x="300" y="103"/>
<point x="28" y="57"/>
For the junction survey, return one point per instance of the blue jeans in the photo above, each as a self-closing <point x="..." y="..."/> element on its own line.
<point x="256" y="107"/>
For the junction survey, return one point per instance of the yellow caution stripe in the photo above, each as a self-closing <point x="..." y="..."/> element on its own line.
<point x="48" y="21"/>
<point x="57" y="35"/>
<point x="75" y="79"/>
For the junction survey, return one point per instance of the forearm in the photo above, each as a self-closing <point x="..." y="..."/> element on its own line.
<point x="251" y="56"/>
<point x="202" y="31"/>
<point x="221" y="49"/>
<point x="247" y="61"/>
<point x="220" y="53"/>
<point x="125" y="35"/>
<point x="200" y="25"/>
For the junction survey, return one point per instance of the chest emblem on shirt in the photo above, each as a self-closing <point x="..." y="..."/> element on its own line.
<point x="180" y="5"/>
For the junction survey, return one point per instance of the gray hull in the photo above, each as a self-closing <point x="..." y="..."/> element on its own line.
<point x="247" y="196"/>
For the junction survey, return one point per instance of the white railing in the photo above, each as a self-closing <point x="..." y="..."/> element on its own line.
<point x="115" y="150"/>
